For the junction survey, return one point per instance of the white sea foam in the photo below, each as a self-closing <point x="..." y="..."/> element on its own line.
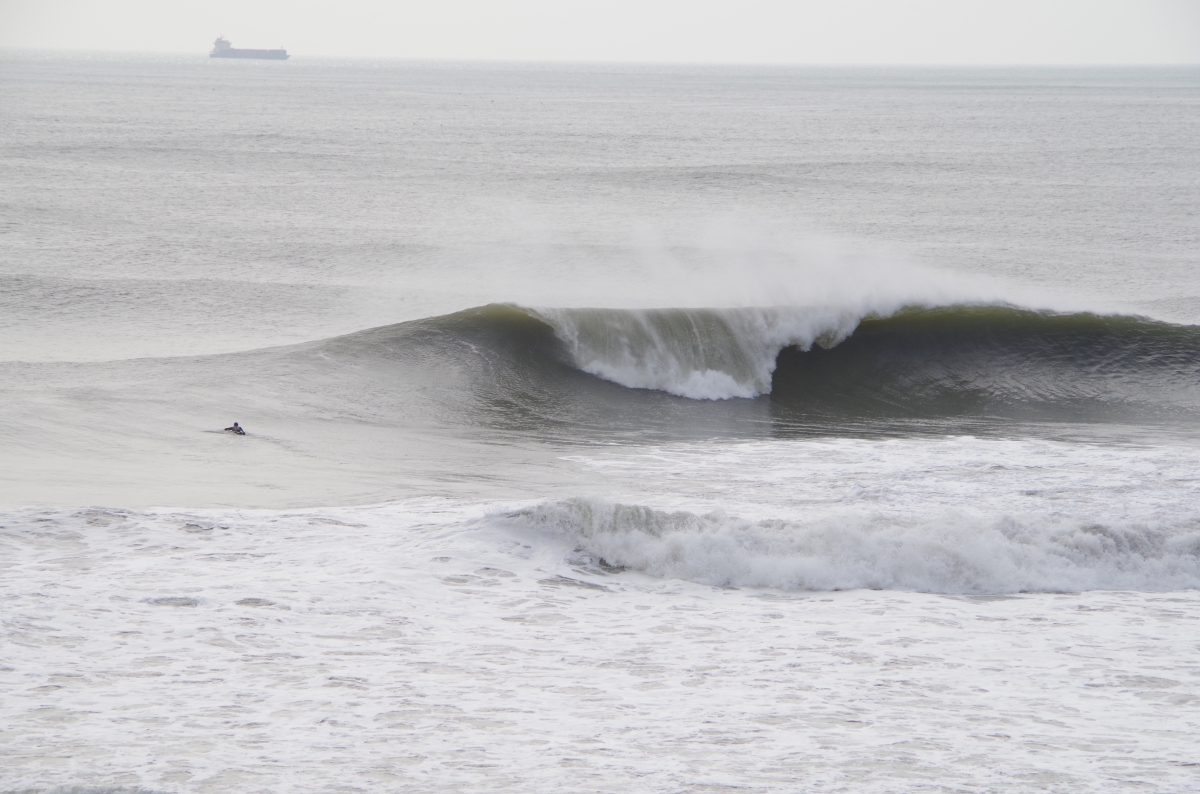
<point x="952" y="515"/>
<point x="960" y="551"/>
<point x="442" y="643"/>
<point x="416" y="647"/>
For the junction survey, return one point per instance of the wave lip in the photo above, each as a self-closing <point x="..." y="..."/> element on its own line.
<point x="702" y="354"/>
<point x="952" y="552"/>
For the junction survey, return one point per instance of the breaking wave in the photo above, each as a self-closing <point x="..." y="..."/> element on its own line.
<point x="718" y="354"/>
<point x="703" y="354"/>
<point x="958" y="552"/>
<point x="915" y="362"/>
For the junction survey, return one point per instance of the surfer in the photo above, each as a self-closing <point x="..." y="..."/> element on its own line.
<point x="236" y="429"/>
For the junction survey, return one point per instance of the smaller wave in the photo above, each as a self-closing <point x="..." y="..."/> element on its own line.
<point x="953" y="552"/>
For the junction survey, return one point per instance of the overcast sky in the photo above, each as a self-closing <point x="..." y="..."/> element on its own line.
<point x="692" y="31"/>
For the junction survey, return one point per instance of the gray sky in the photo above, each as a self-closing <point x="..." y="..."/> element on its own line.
<point x="701" y="31"/>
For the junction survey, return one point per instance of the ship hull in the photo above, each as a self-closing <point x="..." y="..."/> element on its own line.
<point x="264" y="55"/>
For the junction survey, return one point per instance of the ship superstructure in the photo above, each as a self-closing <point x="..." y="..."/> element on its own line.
<point x="223" y="49"/>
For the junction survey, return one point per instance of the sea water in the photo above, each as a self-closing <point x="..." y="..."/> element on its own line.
<point x="610" y="428"/>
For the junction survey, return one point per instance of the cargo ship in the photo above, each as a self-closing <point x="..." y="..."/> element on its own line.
<point x="223" y="49"/>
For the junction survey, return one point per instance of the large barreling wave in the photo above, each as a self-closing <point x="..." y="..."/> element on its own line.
<point x="917" y="362"/>
<point x="914" y="355"/>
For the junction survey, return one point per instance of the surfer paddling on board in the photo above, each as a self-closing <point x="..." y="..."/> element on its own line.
<point x="236" y="429"/>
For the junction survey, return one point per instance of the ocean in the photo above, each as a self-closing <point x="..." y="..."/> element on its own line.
<point x="609" y="428"/>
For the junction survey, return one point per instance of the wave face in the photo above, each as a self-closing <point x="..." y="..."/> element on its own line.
<point x="972" y="354"/>
<point x="956" y="552"/>
<point x="998" y="361"/>
<point x="539" y="368"/>
<point x="925" y="363"/>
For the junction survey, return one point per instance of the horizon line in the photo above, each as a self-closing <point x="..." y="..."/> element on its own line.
<point x="630" y="62"/>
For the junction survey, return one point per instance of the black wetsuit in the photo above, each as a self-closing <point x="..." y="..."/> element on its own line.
<point x="235" y="429"/>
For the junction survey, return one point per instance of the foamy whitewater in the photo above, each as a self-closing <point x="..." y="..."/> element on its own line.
<point x="609" y="429"/>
